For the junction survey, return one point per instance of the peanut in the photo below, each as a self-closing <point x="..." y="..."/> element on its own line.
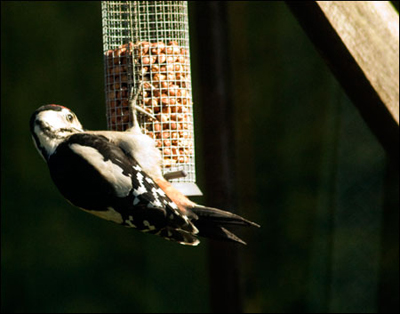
<point x="167" y="97"/>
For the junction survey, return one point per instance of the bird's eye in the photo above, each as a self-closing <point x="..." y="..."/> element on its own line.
<point x="70" y="117"/>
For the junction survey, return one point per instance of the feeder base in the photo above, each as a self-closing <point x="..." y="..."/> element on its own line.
<point x="187" y="188"/>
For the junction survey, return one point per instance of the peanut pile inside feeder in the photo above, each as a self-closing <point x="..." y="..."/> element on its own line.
<point x="166" y="94"/>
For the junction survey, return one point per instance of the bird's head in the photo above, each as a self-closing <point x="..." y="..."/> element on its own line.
<point x="50" y="125"/>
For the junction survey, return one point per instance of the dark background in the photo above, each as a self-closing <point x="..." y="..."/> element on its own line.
<point x="306" y="167"/>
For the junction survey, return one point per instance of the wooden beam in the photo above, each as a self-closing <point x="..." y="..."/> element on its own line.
<point x="360" y="42"/>
<point x="218" y="147"/>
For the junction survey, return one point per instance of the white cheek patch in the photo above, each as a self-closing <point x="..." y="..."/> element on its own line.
<point x="48" y="144"/>
<point x="55" y="119"/>
<point x="110" y="171"/>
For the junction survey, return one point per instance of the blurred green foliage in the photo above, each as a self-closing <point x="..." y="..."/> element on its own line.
<point x="311" y="173"/>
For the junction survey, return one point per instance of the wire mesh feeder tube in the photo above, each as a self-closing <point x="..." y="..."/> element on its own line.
<point x="146" y="52"/>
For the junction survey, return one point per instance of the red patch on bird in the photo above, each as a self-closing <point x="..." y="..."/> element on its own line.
<point x="55" y="105"/>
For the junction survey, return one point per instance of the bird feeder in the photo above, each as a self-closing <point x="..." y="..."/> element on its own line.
<point x="147" y="58"/>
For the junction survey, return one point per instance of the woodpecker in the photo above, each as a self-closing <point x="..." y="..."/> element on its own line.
<point x="116" y="175"/>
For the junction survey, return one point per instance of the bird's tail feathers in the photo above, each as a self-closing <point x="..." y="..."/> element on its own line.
<point x="211" y="223"/>
<point x="221" y="216"/>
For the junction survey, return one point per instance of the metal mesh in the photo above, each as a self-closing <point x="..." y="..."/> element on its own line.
<point x="146" y="46"/>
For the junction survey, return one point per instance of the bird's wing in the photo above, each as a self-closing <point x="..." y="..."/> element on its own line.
<point x="103" y="179"/>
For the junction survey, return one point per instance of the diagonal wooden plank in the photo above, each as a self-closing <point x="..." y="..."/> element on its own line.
<point x="360" y="42"/>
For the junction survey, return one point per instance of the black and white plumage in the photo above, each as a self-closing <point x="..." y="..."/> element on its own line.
<point x="117" y="176"/>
